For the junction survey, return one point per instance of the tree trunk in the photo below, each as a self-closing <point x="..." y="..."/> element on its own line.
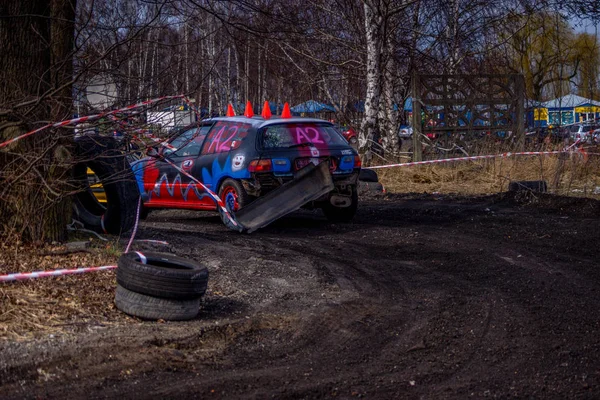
<point x="373" y="38"/>
<point x="36" y="42"/>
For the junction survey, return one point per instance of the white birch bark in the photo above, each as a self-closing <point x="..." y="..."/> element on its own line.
<point x="373" y="22"/>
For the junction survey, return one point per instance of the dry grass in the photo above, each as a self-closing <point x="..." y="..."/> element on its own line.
<point x="57" y="304"/>
<point x="566" y="174"/>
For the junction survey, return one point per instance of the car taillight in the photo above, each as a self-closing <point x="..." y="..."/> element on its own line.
<point x="260" y="165"/>
<point x="357" y="162"/>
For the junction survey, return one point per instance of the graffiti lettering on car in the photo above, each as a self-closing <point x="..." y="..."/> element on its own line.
<point x="218" y="144"/>
<point x="170" y="187"/>
<point x="302" y="135"/>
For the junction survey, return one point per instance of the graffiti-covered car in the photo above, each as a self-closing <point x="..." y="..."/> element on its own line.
<point x="242" y="159"/>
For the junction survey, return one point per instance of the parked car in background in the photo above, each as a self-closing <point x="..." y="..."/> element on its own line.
<point x="405" y="132"/>
<point x="582" y="132"/>
<point x="595" y="135"/>
<point x="348" y="133"/>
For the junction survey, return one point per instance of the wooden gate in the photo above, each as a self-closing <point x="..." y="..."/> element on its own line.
<point x="467" y="104"/>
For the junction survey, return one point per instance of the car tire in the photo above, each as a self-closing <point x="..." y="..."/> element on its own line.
<point x="233" y="194"/>
<point x="110" y="166"/>
<point x="368" y="175"/>
<point x="154" y="308"/>
<point x="162" y="275"/>
<point x="532" y="186"/>
<point x="342" y="214"/>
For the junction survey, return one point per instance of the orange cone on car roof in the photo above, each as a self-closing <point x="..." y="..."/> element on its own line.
<point x="230" y="112"/>
<point x="248" y="113"/>
<point x="286" y="113"/>
<point x="266" y="111"/>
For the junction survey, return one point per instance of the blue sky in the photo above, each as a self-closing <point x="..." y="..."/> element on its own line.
<point x="587" y="25"/>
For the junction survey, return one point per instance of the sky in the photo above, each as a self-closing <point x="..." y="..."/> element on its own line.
<point x="589" y="26"/>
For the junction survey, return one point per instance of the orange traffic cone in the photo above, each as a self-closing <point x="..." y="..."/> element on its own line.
<point x="286" y="113"/>
<point x="266" y="111"/>
<point x="230" y="112"/>
<point x="248" y="113"/>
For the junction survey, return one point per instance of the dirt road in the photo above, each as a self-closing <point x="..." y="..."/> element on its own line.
<point x="422" y="296"/>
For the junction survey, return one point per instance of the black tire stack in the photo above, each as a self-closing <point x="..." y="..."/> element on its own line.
<point x="160" y="286"/>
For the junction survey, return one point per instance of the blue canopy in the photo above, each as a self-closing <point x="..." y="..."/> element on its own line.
<point x="312" y="106"/>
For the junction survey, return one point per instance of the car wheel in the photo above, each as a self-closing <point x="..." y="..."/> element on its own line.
<point x="233" y="195"/>
<point x="342" y="214"/>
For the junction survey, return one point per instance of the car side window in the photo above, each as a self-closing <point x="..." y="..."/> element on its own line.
<point x="225" y="136"/>
<point x="189" y="142"/>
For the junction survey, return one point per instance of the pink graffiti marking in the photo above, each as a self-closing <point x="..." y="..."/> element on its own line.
<point x="302" y="135"/>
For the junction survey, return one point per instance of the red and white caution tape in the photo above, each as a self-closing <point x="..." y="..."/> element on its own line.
<point x="58" y="272"/>
<point x="90" y="118"/>
<point x="135" y="226"/>
<point x="448" y="160"/>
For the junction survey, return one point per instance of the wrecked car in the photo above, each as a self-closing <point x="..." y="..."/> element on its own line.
<point x="243" y="159"/>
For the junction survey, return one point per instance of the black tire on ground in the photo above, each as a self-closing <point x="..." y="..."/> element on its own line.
<point x="164" y="275"/>
<point x="239" y="197"/>
<point x="112" y="169"/>
<point x="534" y="186"/>
<point x="342" y="214"/>
<point x="368" y="175"/>
<point x="149" y="307"/>
<point x="372" y="187"/>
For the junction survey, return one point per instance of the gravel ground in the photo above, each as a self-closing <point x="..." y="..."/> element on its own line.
<point x="422" y="296"/>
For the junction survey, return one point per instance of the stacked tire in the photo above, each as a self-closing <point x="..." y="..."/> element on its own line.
<point x="160" y="286"/>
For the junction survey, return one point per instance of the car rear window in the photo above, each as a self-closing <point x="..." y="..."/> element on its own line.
<point x="293" y="135"/>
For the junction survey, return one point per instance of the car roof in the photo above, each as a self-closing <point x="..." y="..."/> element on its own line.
<point x="259" y="122"/>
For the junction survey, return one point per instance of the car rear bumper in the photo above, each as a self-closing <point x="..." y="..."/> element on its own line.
<point x="261" y="183"/>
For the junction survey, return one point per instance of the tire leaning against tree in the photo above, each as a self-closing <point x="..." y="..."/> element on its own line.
<point x="154" y="308"/>
<point x="163" y="275"/>
<point x="102" y="156"/>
